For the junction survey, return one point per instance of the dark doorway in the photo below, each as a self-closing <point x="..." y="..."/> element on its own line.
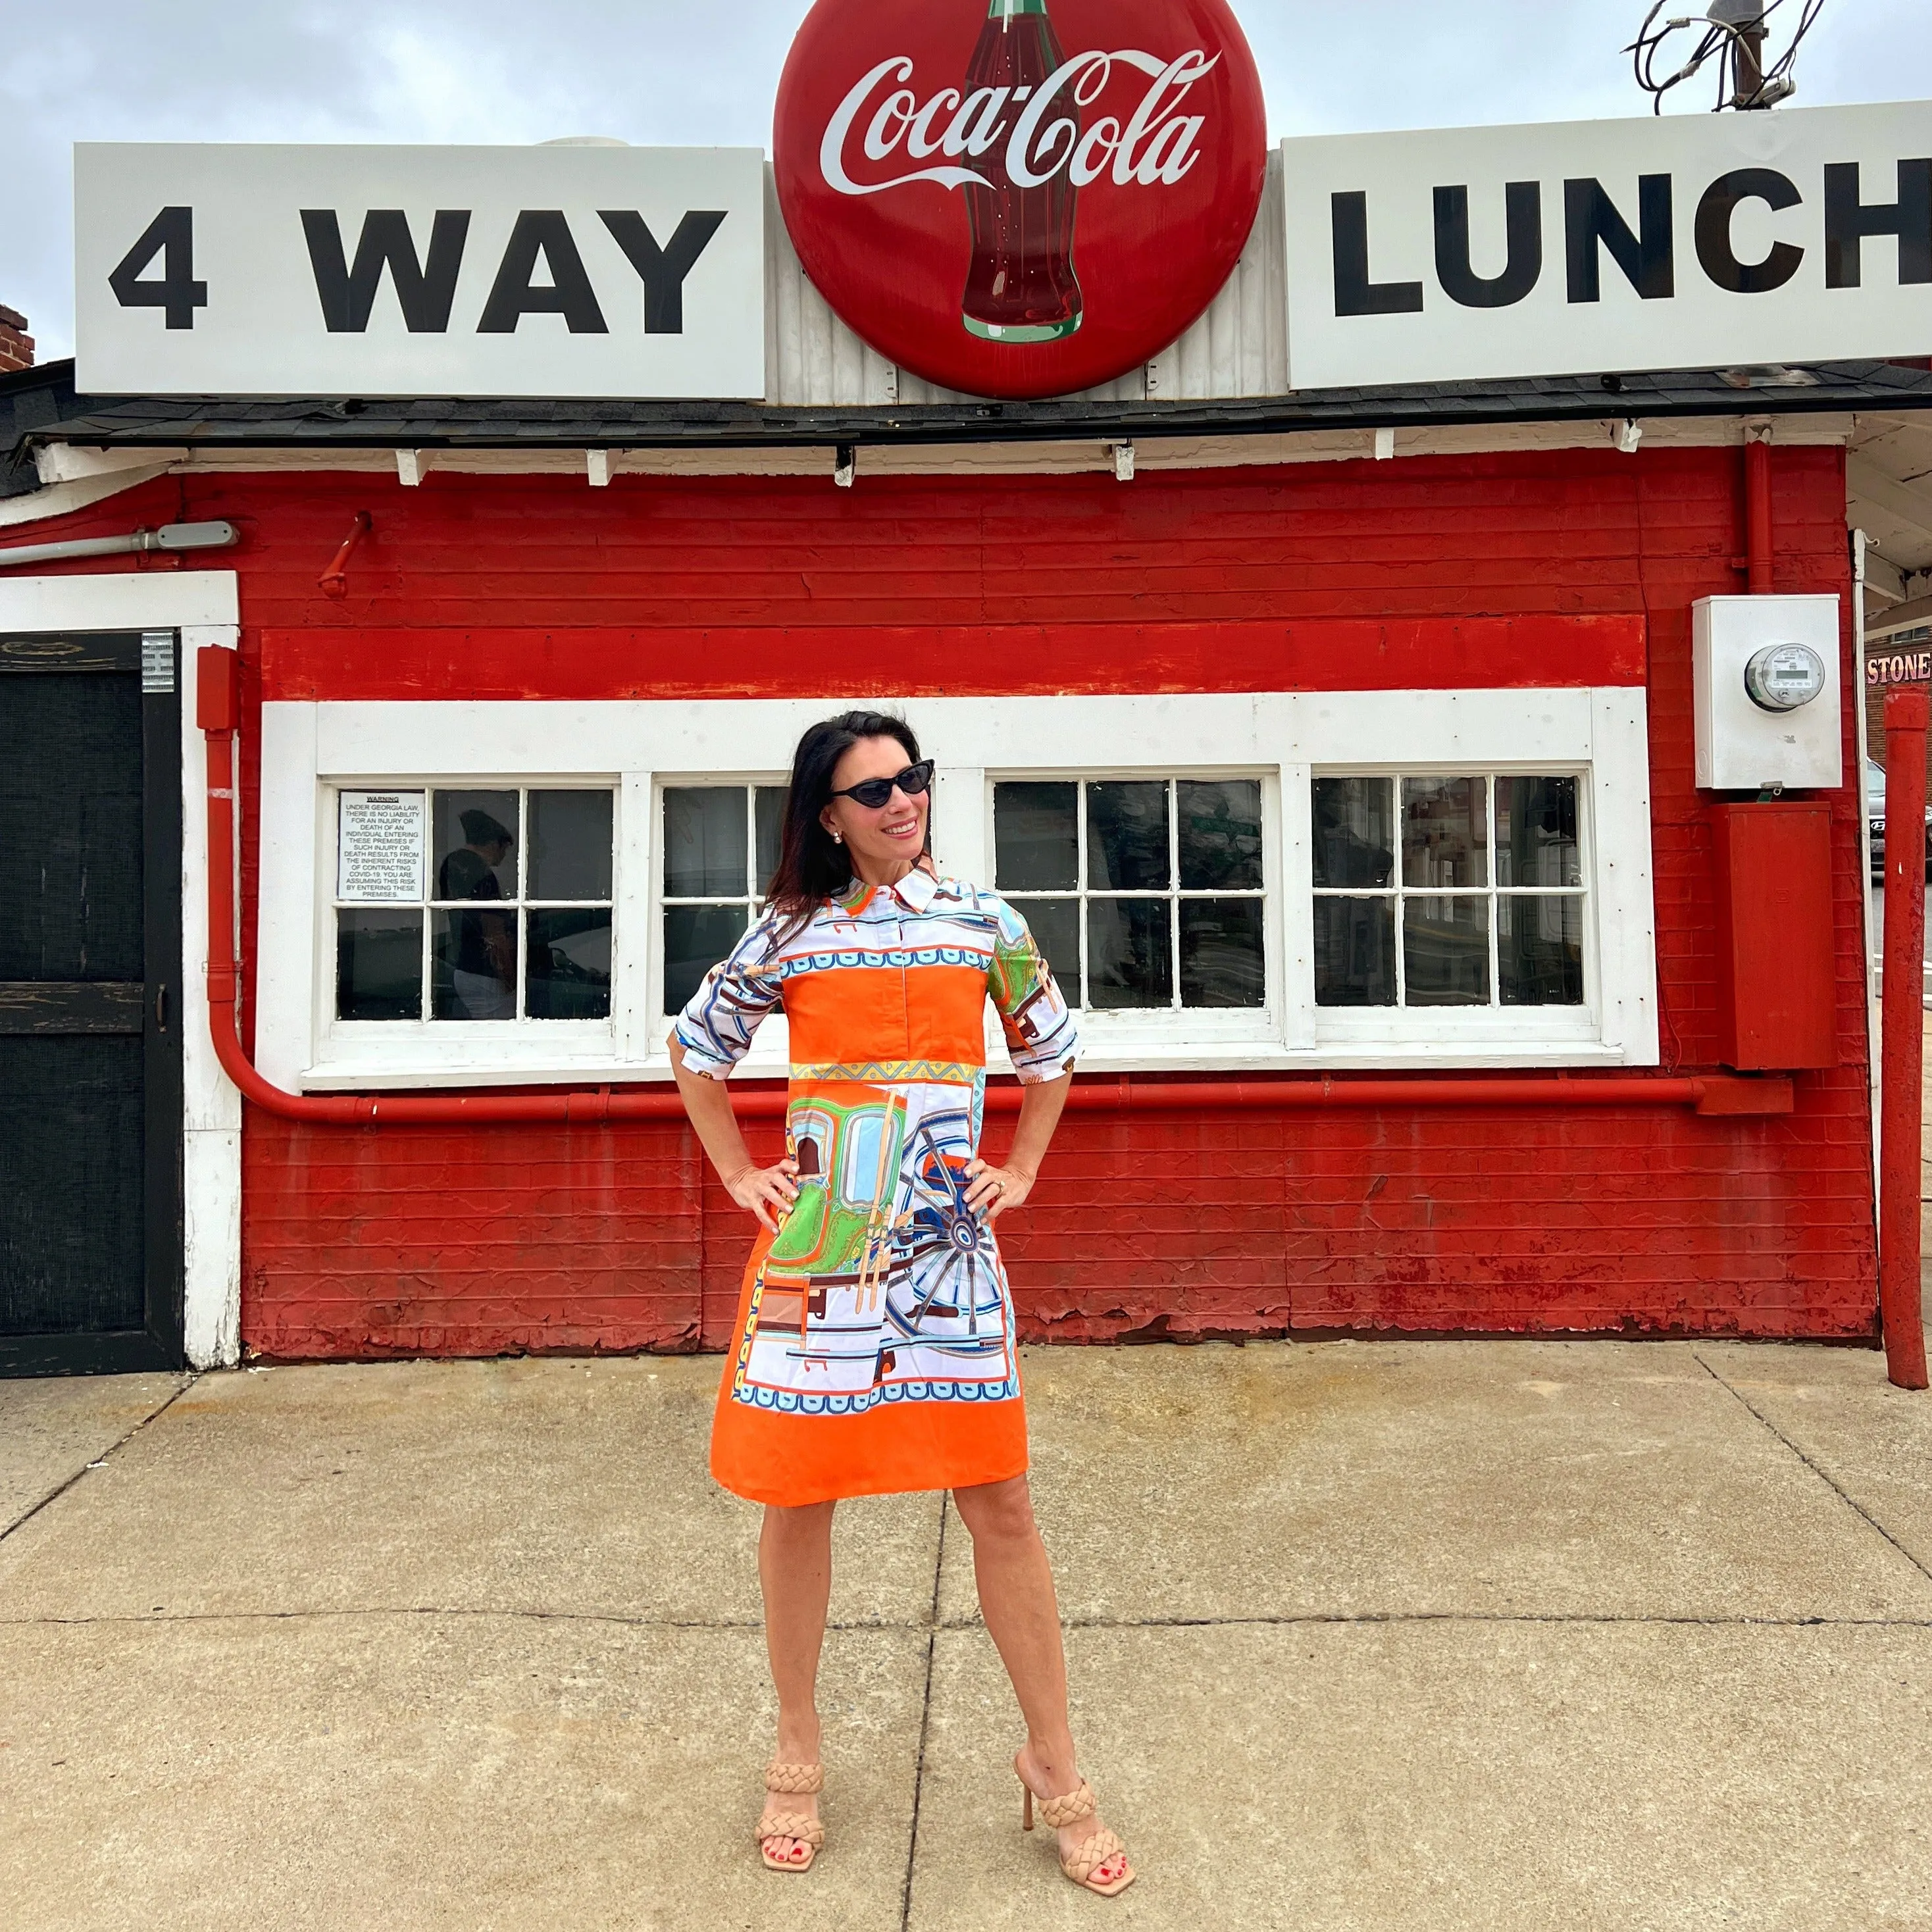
<point x="90" y="1210"/>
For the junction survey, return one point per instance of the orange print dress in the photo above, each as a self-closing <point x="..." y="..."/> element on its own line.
<point x="874" y="1351"/>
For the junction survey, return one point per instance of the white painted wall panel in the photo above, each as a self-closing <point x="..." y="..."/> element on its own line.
<point x="1240" y="346"/>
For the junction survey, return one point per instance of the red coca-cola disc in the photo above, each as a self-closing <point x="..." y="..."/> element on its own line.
<point x="1019" y="197"/>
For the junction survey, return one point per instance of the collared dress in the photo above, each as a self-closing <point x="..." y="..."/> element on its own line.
<point x="873" y="1351"/>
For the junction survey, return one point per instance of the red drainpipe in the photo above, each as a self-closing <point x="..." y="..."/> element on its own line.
<point x="1757" y="515"/>
<point x="1901" y="1044"/>
<point x="219" y="714"/>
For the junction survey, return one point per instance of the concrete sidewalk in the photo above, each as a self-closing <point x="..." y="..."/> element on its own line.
<point x="1364" y="1635"/>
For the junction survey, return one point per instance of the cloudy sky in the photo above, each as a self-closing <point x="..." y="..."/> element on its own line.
<point x="705" y="71"/>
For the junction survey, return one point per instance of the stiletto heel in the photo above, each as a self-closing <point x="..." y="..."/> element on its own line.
<point x="790" y="1780"/>
<point x="1094" y="1851"/>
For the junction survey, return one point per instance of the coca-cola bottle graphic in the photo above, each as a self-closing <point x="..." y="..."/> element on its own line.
<point x="1021" y="286"/>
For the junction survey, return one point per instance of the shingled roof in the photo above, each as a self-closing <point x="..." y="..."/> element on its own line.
<point x="41" y="405"/>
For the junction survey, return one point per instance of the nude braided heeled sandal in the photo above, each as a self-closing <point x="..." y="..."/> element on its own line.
<point x="1092" y="1851"/>
<point x="785" y="1781"/>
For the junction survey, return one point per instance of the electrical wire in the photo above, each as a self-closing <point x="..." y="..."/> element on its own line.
<point x="1720" y="37"/>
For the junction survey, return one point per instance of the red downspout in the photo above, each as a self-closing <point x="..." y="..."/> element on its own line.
<point x="1757" y="515"/>
<point x="1902" y="1042"/>
<point x="219" y="712"/>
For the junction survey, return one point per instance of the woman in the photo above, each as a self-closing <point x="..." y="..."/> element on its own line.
<point x="874" y="1350"/>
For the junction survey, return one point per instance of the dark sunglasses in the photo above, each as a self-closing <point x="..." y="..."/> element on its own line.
<point x="873" y="792"/>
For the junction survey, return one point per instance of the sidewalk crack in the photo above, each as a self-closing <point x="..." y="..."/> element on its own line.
<point x="1286" y="1619"/>
<point x="924" y="1716"/>
<point x="1823" y="1474"/>
<point x="54" y="1494"/>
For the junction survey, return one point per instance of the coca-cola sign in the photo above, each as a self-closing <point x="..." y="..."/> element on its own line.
<point x="1019" y="197"/>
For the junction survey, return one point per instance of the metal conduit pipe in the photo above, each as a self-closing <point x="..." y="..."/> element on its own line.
<point x="169" y="536"/>
<point x="1757" y="514"/>
<point x="218" y="713"/>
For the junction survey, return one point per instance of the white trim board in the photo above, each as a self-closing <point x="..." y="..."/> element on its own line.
<point x="202" y="606"/>
<point x="309" y="748"/>
<point x="80" y="475"/>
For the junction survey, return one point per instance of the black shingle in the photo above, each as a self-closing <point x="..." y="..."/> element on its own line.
<point x="40" y="405"/>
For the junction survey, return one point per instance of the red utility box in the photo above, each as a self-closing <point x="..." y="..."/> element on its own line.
<point x="1772" y="863"/>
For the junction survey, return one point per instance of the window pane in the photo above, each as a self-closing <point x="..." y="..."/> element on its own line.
<point x="1035" y="838"/>
<point x="1445" y="838"/>
<point x="378" y="963"/>
<point x="570" y="845"/>
<point x="1126" y="836"/>
<point x="1220" y="833"/>
<point x="1056" y="932"/>
<point x="705" y="855"/>
<point x="769" y="807"/>
<point x="696" y="937"/>
<point x="1445" y="952"/>
<point x="1354" y="947"/>
<point x="1536" y="832"/>
<point x="1221" y="953"/>
<point x="1129" y="960"/>
<point x="865" y="1175"/>
<point x="1539" y="951"/>
<point x="1355" y="834"/>
<point x="475" y="842"/>
<point x="473" y="975"/>
<point x="568" y="975"/>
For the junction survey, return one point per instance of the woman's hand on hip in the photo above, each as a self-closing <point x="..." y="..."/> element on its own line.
<point x="768" y="1192"/>
<point x="992" y="1190"/>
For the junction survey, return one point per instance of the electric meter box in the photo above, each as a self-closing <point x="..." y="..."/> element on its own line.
<point x="1765" y="673"/>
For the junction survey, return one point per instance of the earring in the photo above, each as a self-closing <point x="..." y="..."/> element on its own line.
<point x="837" y="838"/>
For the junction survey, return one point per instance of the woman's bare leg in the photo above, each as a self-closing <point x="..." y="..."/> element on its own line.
<point x="795" y="1568"/>
<point x="1016" y="1598"/>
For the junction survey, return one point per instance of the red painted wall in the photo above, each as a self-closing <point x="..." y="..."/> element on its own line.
<point x="1650" y="1220"/>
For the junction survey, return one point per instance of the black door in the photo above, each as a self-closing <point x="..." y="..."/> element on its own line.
<point x="91" y="1207"/>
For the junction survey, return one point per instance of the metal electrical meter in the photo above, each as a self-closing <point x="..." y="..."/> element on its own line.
<point x="1765" y="674"/>
<point x="1781" y="677"/>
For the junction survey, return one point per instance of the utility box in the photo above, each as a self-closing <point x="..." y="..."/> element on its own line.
<point x="1776" y="982"/>
<point x="1765" y="673"/>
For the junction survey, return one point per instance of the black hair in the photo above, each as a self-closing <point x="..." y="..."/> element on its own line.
<point x="480" y="828"/>
<point x="811" y="867"/>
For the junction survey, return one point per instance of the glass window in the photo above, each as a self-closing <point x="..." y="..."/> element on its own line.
<point x="1456" y="889"/>
<point x="721" y="848"/>
<point x="510" y="918"/>
<point x="865" y="1148"/>
<point x="1144" y="894"/>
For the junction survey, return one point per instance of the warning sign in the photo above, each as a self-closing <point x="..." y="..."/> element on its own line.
<point x="381" y="847"/>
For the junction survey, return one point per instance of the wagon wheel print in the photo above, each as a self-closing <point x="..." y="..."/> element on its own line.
<point x="944" y="1226"/>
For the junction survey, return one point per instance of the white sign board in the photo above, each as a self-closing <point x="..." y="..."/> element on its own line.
<point x="381" y="847"/>
<point x="1686" y="241"/>
<point x="419" y="272"/>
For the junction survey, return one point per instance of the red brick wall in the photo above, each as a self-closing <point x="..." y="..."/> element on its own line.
<point x="1648" y="1220"/>
<point x="17" y="346"/>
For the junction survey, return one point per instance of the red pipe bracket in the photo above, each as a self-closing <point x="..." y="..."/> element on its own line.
<point x="333" y="582"/>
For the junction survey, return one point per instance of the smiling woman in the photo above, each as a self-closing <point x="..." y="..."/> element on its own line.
<point x="874" y="1349"/>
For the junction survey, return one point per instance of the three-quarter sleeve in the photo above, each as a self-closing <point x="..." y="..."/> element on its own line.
<point x="716" y="1029"/>
<point x="1042" y="1037"/>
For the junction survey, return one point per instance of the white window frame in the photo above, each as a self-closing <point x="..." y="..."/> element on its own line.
<point x="1113" y="1031"/>
<point x="459" y="1043"/>
<point x="1344" y="1027"/>
<point x="641" y="747"/>
<point x="770" y="1055"/>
